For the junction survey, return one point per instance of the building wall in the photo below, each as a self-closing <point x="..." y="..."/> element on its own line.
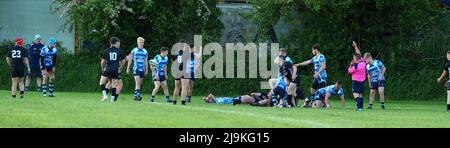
<point x="25" y="18"/>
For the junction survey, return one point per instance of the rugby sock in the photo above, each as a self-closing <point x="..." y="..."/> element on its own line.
<point x="103" y="87"/>
<point x="44" y="89"/>
<point x="14" y="96"/>
<point x="136" y="93"/>
<point x="370" y="106"/>
<point x="382" y="105"/>
<point x="289" y="100"/>
<point x="237" y="100"/>
<point x="189" y="98"/>
<point x="359" y="103"/>
<point x="114" y="95"/>
<point x="152" y="99"/>
<point x="51" y="87"/>
<point x="274" y="100"/>
<point x="174" y="102"/>
<point x="107" y="91"/>
<point x="183" y="102"/>
<point x="39" y="89"/>
<point x="26" y="88"/>
<point x="22" y="93"/>
<point x="168" y="98"/>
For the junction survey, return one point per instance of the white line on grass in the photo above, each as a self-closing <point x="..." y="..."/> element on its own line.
<point x="291" y="121"/>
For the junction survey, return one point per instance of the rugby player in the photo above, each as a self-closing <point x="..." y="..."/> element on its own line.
<point x="34" y="59"/>
<point x="17" y="60"/>
<point x="188" y="77"/>
<point x="139" y="58"/>
<point x="159" y="73"/>
<point x="442" y="77"/>
<point x="320" y="73"/>
<point x="375" y="74"/>
<point x="324" y="94"/>
<point x="49" y="58"/>
<point x="112" y="62"/>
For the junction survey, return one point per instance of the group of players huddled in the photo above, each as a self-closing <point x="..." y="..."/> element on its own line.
<point x="40" y="62"/>
<point x="114" y="59"/>
<point x="286" y="93"/>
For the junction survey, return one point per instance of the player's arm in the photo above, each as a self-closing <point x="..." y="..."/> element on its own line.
<point x="130" y="59"/>
<point x="343" y="101"/>
<point x="146" y="66"/>
<point x="304" y="63"/>
<point x="383" y="70"/>
<point x="355" y="46"/>
<point x="55" y="60"/>
<point x="8" y="60"/>
<point x="42" y="58"/>
<point x="369" y="77"/>
<point x="255" y="94"/>
<point x="294" y="72"/>
<point x="327" y="99"/>
<point x="441" y="78"/>
<point x="25" y="60"/>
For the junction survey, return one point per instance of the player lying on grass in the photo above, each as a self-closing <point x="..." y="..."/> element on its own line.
<point x="139" y="58"/>
<point x="357" y="70"/>
<point x="17" y="60"/>
<point x="159" y="73"/>
<point x="254" y="99"/>
<point x="320" y="73"/>
<point x="442" y="77"/>
<point x="112" y="61"/>
<point x="34" y="59"/>
<point x="322" y="98"/>
<point x="49" y="58"/>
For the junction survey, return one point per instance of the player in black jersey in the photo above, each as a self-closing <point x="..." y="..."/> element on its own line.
<point x="112" y="61"/>
<point x="17" y="60"/>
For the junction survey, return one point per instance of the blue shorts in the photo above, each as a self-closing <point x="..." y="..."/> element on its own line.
<point x="319" y="83"/>
<point x="35" y="71"/>
<point x="161" y="78"/>
<point x="280" y="92"/>
<point x="139" y="73"/>
<point x="448" y="86"/>
<point x="318" y="97"/>
<point x="358" y="87"/>
<point x="48" y="68"/>
<point x="376" y="85"/>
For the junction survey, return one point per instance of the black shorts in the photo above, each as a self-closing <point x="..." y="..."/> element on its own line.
<point x="35" y="71"/>
<point x="376" y="85"/>
<point x="358" y="87"/>
<point x="111" y="74"/>
<point x="296" y="81"/>
<point x="17" y="71"/>
<point x="318" y="84"/>
<point x="192" y="77"/>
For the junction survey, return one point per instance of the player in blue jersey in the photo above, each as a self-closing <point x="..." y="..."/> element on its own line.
<point x="139" y="58"/>
<point x="320" y="73"/>
<point x="279" y="92"/>
<point x="323" y="95"/>
<point x="34" y="52"/>
<point x="159" y="73"/>
<point x="48" y="65"/>
<point x="192" y="60"/>
<point x="375" y="74"/>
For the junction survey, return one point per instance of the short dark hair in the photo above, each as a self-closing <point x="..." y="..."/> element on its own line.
<point x="358" y="55"/>
<point x="191" y="45"/>
<point x="448" y="52"/>
<point x="316" y="46"/>
<point x="114" y="40"/>
<point x="339" y="82"/>
<point x="164" y="48"/>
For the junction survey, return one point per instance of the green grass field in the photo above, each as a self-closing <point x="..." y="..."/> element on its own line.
<point x="85" y="110"/>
